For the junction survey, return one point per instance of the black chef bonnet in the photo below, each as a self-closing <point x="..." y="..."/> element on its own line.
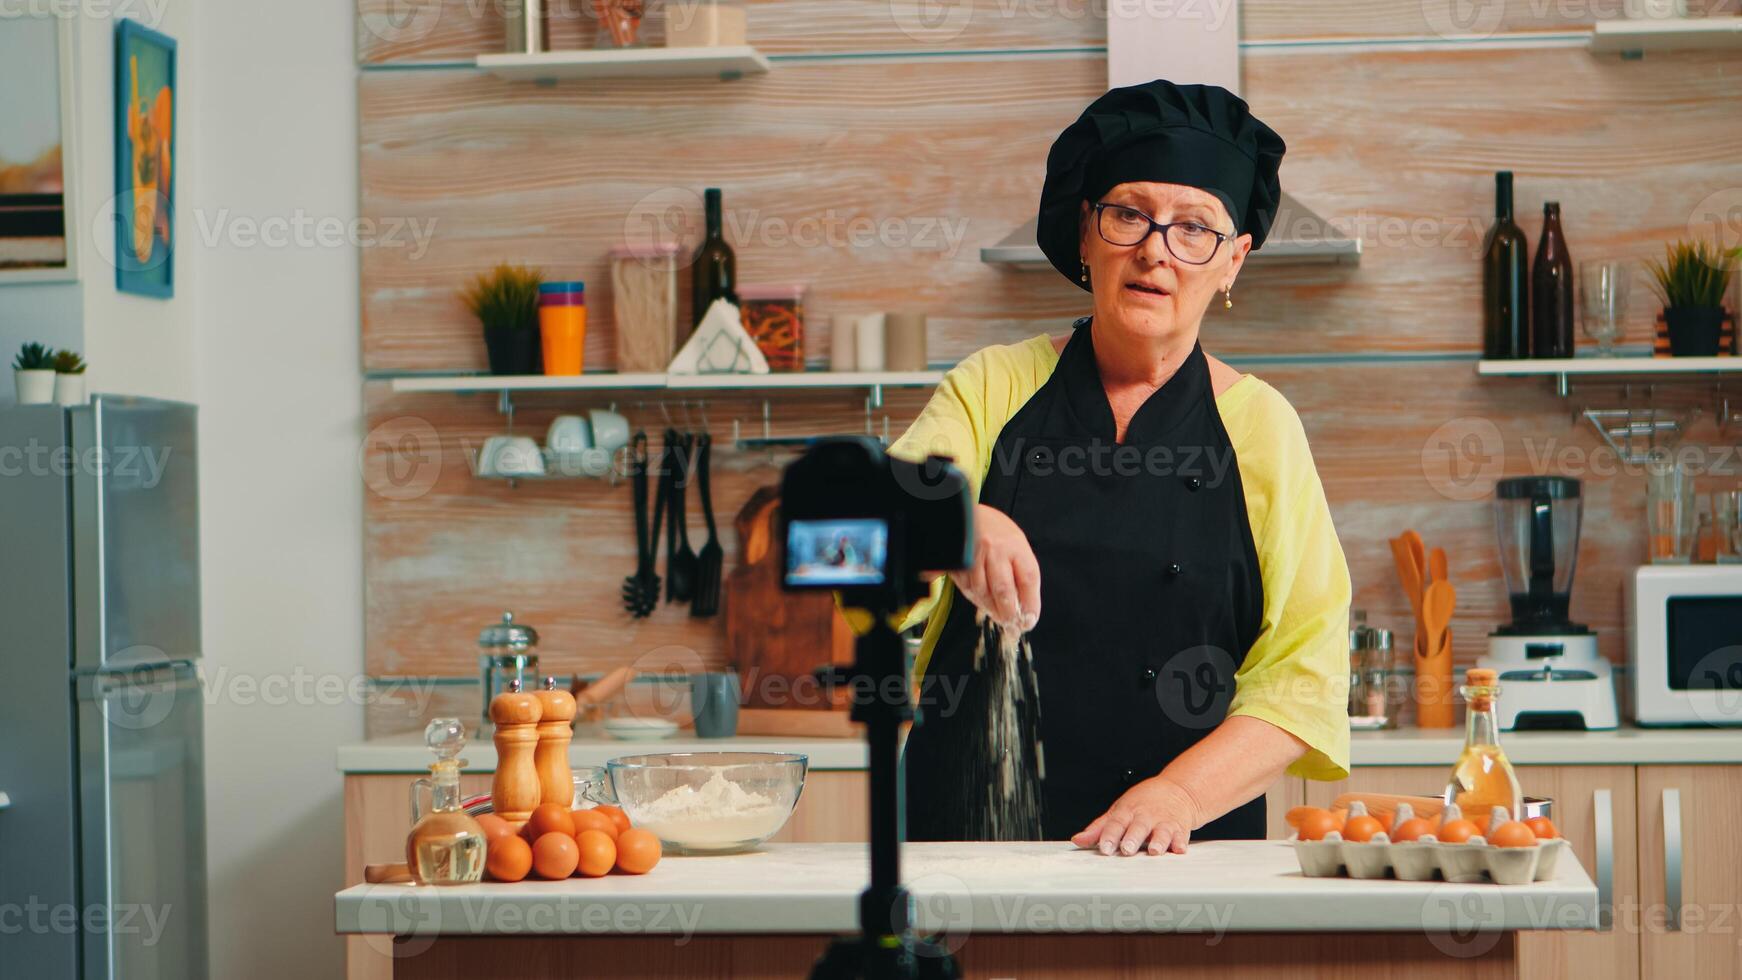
<point x="1198" y="135"/>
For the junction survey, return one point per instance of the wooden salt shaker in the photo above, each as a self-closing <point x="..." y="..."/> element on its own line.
<point x="556" y="781"/>
<point x="514" y="792"/>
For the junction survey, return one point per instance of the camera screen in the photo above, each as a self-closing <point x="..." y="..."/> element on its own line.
<point x="833" y="553"/>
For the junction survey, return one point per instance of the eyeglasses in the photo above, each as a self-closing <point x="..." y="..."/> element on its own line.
<point x="1188" y="241"/>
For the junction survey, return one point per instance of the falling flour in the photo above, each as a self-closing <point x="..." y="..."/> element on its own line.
<point x="720" y="812"/>
<point x="1008" y="759"/>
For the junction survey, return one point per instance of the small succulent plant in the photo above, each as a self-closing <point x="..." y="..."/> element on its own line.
<point x="68" y="362"/>
<point x="34" y="357"/>
<point x="506" y="298"/>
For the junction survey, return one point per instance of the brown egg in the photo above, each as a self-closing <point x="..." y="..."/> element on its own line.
<point x="549" y="818"/>
<point x="1514" y="833"/>
<point x="509" y="857"/>
<point x="1455" y="831"/>
<point x="1542" y="828"/>
<point x="1361" y="829"/>
<point x="598" y="852"/>
<point x="637" y="851"/>
<point x="1410" y="829"/>
<point x="616" y="814"/>
<point x="555" y="855"/>
<point x="494" y="827"/>
<point x="586" y="820"/>
<point x="1317" y="823"/>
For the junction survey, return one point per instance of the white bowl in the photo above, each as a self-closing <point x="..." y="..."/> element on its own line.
<point x="639" y="729"/>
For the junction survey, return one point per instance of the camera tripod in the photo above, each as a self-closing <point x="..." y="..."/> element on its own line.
<point x="885" y="948"/>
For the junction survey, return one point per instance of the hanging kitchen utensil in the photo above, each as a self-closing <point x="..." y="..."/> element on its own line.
<point x="641" y="590"/>
<point x="682" y="570"/>
<point x="668" y="490"/>
<point x="712" y="557"/>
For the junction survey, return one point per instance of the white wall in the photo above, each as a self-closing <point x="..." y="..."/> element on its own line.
<point x="281" y="494"/>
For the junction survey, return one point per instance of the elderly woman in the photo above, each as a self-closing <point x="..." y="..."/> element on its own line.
<point x="1149" y="516"/>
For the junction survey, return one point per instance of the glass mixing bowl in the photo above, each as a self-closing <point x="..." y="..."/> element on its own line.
<point x="703" y="802"/>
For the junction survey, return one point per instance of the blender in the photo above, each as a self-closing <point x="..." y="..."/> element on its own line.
<point x="1549" y="665"/>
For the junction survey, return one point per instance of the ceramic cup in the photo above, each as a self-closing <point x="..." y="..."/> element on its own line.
<point x="610" y="430"/>
<point x="714" y="703"/>
<point x="569" y="434"/>
<point x="510" y="456"/>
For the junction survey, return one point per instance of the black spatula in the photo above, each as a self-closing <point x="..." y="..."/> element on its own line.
<point x="708" y="563"/>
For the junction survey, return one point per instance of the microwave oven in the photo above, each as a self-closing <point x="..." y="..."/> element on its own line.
<point x="1684" y="644"/>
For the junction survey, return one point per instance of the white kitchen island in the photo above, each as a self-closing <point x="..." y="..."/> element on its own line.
<point x="1008" y="910"/>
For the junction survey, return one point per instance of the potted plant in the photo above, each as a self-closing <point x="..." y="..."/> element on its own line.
<point x="33" y="374"/>
<point x="505" y="301"/>
<point x="69" y="378"/>
<point x="1692" y="280"/>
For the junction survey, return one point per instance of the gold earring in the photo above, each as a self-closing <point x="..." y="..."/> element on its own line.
<point x="1228" y="297"/>
<point x="1085" y="276"/>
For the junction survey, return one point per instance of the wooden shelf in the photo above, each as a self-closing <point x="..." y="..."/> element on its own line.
<point x="1678" y="34"/>
<point x="1608" y="366"/>
<point x="550" y="66"/>
<point x="821" y="380"/>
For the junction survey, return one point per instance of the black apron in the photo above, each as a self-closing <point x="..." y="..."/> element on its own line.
<point x="1150" y="600"/>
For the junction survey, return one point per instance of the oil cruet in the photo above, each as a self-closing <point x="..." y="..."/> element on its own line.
<point x="446" y="846"/>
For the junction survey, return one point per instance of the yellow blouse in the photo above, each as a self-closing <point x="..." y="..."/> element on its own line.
<point x="1296" y="674"/>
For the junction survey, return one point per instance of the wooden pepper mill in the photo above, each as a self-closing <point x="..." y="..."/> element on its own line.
<point x="514" y="792"/>
<point x="556" y="781"/>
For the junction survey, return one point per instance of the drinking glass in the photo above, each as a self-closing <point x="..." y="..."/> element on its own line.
<point x="1727" y="518"/>
<point x="1604" y="287"/>
<point x="1670" y="513"/>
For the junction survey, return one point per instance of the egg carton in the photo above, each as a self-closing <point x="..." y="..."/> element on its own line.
<point x="1426" y="858"/>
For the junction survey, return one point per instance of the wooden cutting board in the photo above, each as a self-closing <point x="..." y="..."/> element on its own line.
<point x="777" y="639"/>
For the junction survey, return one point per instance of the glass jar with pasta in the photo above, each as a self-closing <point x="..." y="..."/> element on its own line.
<point x="774" y="318"/>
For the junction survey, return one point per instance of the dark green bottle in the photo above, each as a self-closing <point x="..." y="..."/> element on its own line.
<point x="714" y="273"/>
<point x="1505" y="278"/>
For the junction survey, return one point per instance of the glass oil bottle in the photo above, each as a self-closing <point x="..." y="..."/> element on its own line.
<point x="1483" y="778"/>
<point x="446" y="846"/>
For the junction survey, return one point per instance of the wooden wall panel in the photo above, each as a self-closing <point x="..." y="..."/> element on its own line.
<point x="814" y="159"/>
<point x="555" y="176"/>
<point x="390" y="31"/>
<point x="436" y="30"/>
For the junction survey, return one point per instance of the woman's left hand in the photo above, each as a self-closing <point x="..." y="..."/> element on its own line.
<point x="1157" y="812"/>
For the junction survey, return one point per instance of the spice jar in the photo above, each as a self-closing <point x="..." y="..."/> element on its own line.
<point x="1371" y="705"/>
<point x="644" y="306"/>
<point x="774" y="318"/>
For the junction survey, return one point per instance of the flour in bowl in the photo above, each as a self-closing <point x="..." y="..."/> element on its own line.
<point x="720" y="812"/>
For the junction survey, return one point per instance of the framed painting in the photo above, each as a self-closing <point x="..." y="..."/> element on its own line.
<point x="145" y="97"/>
<point x="38" y="173"/>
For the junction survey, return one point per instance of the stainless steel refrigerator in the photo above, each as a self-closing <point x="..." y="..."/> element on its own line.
<point x="102" y="838"/>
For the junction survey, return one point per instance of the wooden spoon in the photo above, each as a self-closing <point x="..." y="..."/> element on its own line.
<point x="1438" y="603"/>
<point x="1409" y="574"/>
<point x="1438" y="567"/>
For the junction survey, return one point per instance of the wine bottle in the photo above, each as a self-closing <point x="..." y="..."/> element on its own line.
<point x="1505" y="280"/>
<point x="1551" y="290"/>
<point x="714" y="273"/>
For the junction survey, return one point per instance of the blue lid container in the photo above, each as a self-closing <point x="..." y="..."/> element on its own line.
<point x="573" y="286"/>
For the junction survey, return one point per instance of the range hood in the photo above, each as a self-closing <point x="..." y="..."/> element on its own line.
<point x="1297" y="237"/>
<point x="1145" y="43"/>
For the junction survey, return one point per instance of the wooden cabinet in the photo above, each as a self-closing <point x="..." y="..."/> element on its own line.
<point x="1594" y="807"/>
<point x="1690" y="871"/>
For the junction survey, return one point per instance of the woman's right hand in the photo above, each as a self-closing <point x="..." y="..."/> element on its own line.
<point x="1005" y="578"/>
